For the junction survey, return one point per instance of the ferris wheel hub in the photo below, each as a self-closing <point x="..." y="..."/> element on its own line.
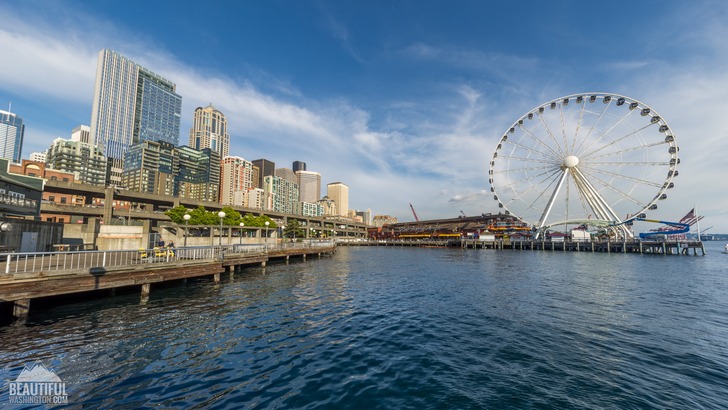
<point x="570" y="162"/>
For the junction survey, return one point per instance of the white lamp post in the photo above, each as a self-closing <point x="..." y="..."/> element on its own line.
<point x="221" y="215"/>
<point x="187" y="225"/>
<point x="242" y="224"/>
<point x="266" y="234"/>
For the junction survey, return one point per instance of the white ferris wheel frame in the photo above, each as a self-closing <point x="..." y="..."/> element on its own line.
<point x="563" y="162"/>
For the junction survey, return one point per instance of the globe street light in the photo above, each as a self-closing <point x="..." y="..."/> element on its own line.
<point x="266" y="234"/>
<point x="221" y="215"/>
<point x="187" y="226"/>
<point x="242" y="224"/>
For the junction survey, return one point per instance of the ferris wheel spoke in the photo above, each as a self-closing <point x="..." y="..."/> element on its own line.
<point x="605" y="133"/>
<point x="625" y="163"/>
<point x="615" y="141"/>
<point x="616" y="190"/>
<point x="535" y="151"/>
<point x="578" y="126"/>
<point x="523" y="159"/>
<point x="599" y="119"/>
<point x="529" y="179"/>
<point x="524" y="169"/>
<point x="555" y="154"/>
<point x="625" y="150"/>
<point x="627" y="177"/>
<point x="560" y="152"/>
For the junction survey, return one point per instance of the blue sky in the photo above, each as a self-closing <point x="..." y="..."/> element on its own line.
<point x="402" y="101"/>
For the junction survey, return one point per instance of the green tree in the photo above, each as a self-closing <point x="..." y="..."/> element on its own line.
<point x="293" y="229"/>
<point x="176" y="214"/>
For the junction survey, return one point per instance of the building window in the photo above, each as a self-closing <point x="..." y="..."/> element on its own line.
<point x="52" y="198"/>
<point x="63" y="200"/>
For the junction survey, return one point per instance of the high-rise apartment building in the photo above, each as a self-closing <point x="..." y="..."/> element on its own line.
<point x="339" y="193"/>
<point x="11" y="136"/>
<point x="236" y="175"/>
<point x="86" y="162"/>
<point x="285" y="193"/>
<point x="265" y="168"/>
<point x="309" y="186"/>
<point x="209" y="130"/>
<point x="131" y="105"/>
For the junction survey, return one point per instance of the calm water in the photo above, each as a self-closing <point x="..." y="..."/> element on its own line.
<point x="402" y="328"/>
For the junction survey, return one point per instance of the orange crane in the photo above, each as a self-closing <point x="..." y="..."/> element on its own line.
<point x="414" y="213"/>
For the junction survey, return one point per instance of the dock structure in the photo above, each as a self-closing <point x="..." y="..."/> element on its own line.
<point x="36" y="275"/>
<point x="641" y="247"/>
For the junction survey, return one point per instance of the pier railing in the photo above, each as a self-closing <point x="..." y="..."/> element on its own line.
<point x="80" y="260"/>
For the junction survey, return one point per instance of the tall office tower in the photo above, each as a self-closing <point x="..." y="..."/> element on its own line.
<point x="285" y="193"/>
<point x="209" y="130"/>
<point x="37" y="157"/>
<point x="131" y="105"/>
<point x="11" y="136"/>
<point x="287" y="173"/>
<point x="339" y="193"/>
<point x="266" y="168"/>
<point x="309" y="186"/>
<point x="86" y="162"/>
<point x="236" y="175"/>
<point x="82" y="133"/>
<point x="256" y="177"/>
<point x="299" y="166"/>
<point x="197" y="173"/>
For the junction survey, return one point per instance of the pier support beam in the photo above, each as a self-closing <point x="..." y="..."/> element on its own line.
<point x="304" y="257"/>
<point x="216" y="277"/>
<point x="262" y="264"/>
<point x="288" y="257"/>
<point x="20" y="309"/>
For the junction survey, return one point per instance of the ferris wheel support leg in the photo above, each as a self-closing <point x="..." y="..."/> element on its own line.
<point x="598" y="204"/>
<point x="550" y="204"/>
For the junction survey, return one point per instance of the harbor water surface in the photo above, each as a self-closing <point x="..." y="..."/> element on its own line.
<point x="384" y="327"/>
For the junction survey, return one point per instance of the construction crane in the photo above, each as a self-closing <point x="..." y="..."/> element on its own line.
<point x="414" y="213"/>
<point x="464" y="216"/>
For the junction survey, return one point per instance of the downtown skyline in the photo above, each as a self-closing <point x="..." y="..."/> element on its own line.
<point x="405" y="102"/>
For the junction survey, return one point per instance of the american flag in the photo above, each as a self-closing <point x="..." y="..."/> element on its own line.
<point x="690" y="218"/>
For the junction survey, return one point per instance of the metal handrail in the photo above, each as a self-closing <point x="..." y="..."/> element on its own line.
<point x="81" y="260"/>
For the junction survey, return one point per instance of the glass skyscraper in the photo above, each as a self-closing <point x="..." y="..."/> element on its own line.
<point x="131" y="105"/>
<point x="11" y="136"/>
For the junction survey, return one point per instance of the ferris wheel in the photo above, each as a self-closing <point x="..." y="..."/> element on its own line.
<point x="585" y="159"/>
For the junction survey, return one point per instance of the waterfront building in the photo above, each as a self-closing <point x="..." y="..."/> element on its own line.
<point x="132" y="104"/>
<point x="149" y="167"/>
<point x="309" y="185"/>
<point x="265" y="168"/>
<point x="236" y="176"/>
<point x="163" y="169"/>
<point x="86" y="162"/>
<point x="37" y="156"/>
<point x="209" y="130"/>
<point x="299" y="166"/>
<point x="196" y="173"/>
<point x="339" y="193"/>
<point x="329" y="205"/>
<point x="381" y="220"/>
<point x="366" y="216"/>
<point x="12" y="131"/>
<point x="285" y="193"/>
<point x="21" y="190"/>
<point x="309" y="209"/>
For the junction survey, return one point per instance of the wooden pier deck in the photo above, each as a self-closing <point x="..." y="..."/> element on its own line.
<point x="642" y="247"/>
<point x="20" y="286"/>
